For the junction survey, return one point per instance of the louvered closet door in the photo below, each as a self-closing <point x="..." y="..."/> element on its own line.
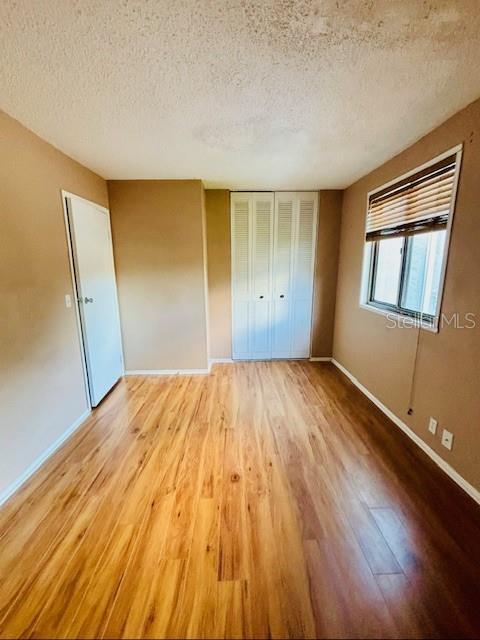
<point x="241" y="219"/>
<point x="261" y="302"/>
<point x="273" y="247"/>
<point x="283" y="253"/>
<point x="303" y="272"/>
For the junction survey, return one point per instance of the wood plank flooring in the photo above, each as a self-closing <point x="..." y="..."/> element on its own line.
<point x="262" y="500"/>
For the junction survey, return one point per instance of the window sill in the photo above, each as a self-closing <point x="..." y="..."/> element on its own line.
<point x="402" y="321"/>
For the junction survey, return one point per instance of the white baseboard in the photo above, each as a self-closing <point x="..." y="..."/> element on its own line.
<point x="444" y="466"/>
<point x="36" y="464"/>
<point x="230" y="360"/>
<point x="166" y="372"/>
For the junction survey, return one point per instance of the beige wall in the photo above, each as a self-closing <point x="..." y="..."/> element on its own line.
<point x="41" y="380"/>
<point x="158" y="240"/>
<point x="219" y="276"/>
<point x="447" y="379"/>
<point x="325" y="285"/>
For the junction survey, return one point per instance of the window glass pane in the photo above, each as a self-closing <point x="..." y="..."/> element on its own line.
<point x="423" y="270"/>
<point x="388" y="267"/>
<point x="415" y="272"/>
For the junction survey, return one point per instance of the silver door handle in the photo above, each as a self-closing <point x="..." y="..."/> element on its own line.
<point x="87" y="300"/>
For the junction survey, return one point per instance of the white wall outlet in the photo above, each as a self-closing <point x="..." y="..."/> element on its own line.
<point x="68" y="301"/>
<point x="432" y="426"/>
<point x="447" y="439"/>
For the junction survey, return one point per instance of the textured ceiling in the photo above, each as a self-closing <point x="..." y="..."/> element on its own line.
<point x="243" y="94"/>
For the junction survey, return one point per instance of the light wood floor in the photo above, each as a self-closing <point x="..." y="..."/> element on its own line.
<point x="263" y="500"/>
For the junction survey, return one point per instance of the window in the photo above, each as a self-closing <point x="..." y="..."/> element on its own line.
<point x="407" y="240"/>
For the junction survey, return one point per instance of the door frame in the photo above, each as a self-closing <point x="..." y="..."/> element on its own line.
<point x="71" y="259"/>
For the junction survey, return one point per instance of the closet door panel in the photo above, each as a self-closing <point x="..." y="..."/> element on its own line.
<point x="241" y="214"/>
<point x="241" y="328"/>
<point x="281" y="334"/>
<point x="305" y="236"/>
<point x="262" y="244"/>
<point x="260" y="311"/>
<point x="273" y="253"/>
<point x="260" y="337"/>
<point x="282" y="275"/>
<point x="301" y="330"/>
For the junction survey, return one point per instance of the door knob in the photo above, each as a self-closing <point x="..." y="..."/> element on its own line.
<point x="281" y="295"/>
<point x="261" y="297"/>
<point x="87" y="300"/>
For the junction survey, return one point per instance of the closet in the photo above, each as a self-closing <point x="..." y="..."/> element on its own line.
<point x="273" y="258"/>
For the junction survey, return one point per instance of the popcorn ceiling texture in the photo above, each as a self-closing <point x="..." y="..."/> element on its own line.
<point x="281" y="94"/>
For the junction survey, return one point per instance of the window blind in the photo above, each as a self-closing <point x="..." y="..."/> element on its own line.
<point x="421" y="202"/>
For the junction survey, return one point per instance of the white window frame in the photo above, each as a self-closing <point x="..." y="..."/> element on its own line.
<point x="368" y="247"/>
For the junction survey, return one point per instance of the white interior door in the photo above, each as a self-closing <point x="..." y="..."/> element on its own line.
<point x="273" y="255"/>
<point x="252" y="247"/>
<point x="303" y="272"/>
<point x="241" y="219"/>
<point x="261" y="285"/>
<point x="91" y="241"/>
<point x="282" y="274"/>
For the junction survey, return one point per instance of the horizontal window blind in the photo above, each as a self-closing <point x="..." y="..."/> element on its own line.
<point x="421" y="202"/>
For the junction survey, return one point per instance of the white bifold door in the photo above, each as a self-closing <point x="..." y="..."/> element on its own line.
<point x="273" y="256"/>
<point x="91" y="244"/>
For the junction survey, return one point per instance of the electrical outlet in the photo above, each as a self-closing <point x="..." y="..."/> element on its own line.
<point x="432" y="426"/>
<point x="447" y="439"/>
